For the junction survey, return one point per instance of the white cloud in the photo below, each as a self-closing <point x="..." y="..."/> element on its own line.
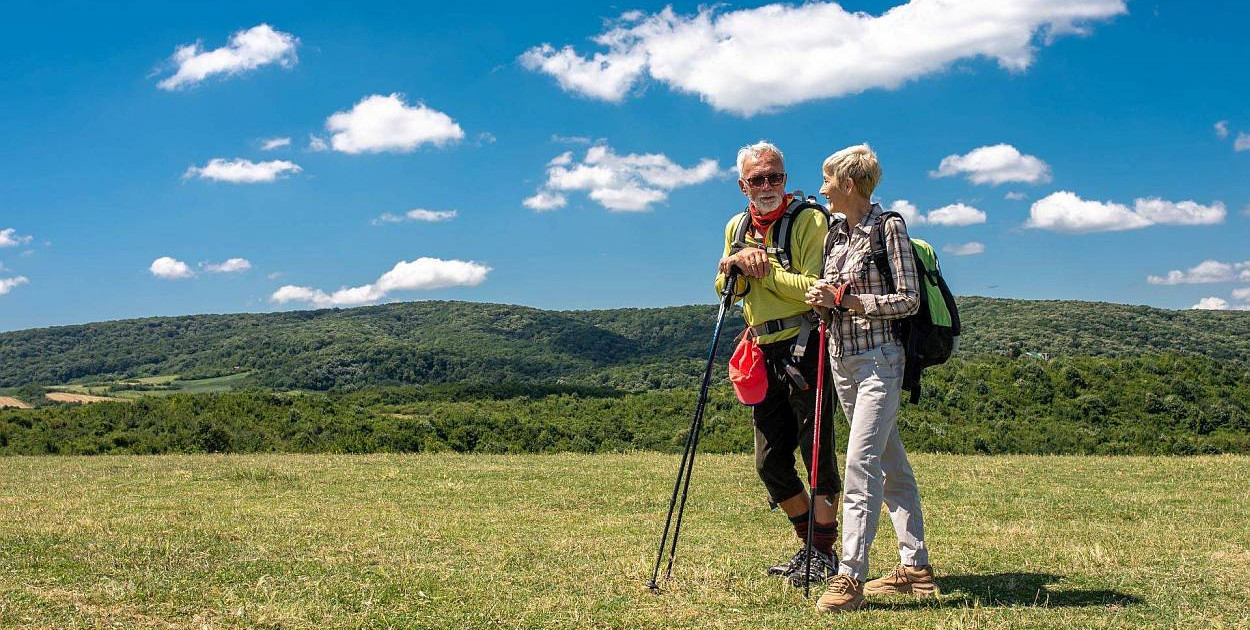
<point x="995" y="164"/>
<point x="10" y="238"/>
<point x="1015" y="196"/>
<point x="1219" y="304"/>
<point x="317" y="144"/>
<point x="8" y="284"/>
<point x="953" y="215"/>
<point x="606" y="77"/>
<point x="1204" y="272"/>
<point x="911" y="214"/>
<point x="966" y="249"/>
<point x="1242" y="143"/>
<point x="241" y="171"/>
<point x="274" y="143"/>
<point x="570" y="139"/>
<point x="1211" y="304"/>
<point x="420" y="274"/>
<point x="168" y="268"/>
<point x="545" y="200"/>
<point x="1221" y="129"/>
<point x="754" y="60"/>
<point x="1242" y="294"/>
<point x="621" y="183"/>
<point x="417" y="214"/>
<point x="1163" y="212"/>
<point x="1064" y="211"/>
<point x="385" y="123"/>
<point x="233" y="265"/>
<point x="258" y="46"/>
<point x="956" y="215"/>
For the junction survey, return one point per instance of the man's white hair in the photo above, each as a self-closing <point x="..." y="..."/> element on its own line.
<point x="754" y="151"/>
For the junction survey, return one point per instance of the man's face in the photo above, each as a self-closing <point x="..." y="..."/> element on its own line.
<point x="768" y="175"/>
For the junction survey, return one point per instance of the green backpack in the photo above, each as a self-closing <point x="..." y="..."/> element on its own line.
<point x="931" y="335"/>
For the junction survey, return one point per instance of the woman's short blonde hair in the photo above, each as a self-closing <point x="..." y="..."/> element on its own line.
<point x="858" y="163"/>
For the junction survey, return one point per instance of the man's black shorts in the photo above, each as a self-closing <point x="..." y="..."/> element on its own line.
<point x="783" y="421"/>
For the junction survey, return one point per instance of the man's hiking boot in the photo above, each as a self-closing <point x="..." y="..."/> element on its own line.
<point x="787" y="567"/>
<point x="917" y="581"/>
<point x="844" y="593"/>
<point x="823" y="567"/>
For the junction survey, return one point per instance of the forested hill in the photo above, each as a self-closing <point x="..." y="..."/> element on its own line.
<point x="421" y="342"/>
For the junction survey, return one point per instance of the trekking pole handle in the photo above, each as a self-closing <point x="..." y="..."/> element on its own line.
<point x="731" y="282"/>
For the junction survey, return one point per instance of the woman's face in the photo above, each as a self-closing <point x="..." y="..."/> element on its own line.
<point x="835" y="194"/>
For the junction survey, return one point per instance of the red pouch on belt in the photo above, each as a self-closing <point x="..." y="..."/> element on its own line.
<point x="746" y="370"/>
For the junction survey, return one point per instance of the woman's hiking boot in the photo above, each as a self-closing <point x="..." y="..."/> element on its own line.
<point x="845" y="593"/>
<point x="905" y="580"/>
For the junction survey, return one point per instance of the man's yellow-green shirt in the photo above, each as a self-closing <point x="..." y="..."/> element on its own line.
<point x="781" y="293"/>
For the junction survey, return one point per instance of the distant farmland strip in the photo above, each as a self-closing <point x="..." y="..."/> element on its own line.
<point x="9" y="401"/>
<point x="79" y="398"/>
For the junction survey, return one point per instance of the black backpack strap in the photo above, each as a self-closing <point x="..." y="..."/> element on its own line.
<point x="880" y="257"/>
<point x="740" y="232"/>
<point x="783" y="229"/>
<point x="831" y="236"/>
<point x="951" y="307"/>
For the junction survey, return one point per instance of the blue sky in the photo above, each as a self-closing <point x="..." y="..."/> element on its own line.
<point x="131" y="173"/>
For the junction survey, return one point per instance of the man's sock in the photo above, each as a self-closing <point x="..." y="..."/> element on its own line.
<point x="800" y="526"/>
<point x="823" y="537"/>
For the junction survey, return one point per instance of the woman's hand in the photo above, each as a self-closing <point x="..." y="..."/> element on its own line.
<point x="821" y="294"/>
<point x="827" y="294"/>
<point x="852" y="303"/>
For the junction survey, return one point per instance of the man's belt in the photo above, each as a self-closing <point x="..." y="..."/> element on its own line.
<point x="804" y="321"/>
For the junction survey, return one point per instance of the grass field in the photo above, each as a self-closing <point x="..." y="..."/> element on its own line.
<point x="567" y="541"/>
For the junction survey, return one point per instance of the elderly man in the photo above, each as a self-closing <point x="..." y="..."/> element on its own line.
<point x="776" y="282"/>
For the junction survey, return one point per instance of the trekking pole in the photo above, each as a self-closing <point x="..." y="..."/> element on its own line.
<point x="692" y="440"/>
<point x="811" y="505"/>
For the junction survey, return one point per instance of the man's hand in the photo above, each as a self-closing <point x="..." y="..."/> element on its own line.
<point x="753" y="262"/>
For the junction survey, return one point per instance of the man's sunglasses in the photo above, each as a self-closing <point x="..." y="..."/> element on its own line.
<point x="772" y="178"/>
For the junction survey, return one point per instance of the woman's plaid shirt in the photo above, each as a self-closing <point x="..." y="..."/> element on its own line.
<point x="850" y="259"/>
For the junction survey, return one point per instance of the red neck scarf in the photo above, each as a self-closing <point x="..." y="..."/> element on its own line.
<point x="762" y="221"/>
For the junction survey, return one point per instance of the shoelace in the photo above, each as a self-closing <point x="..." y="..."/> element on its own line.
<point x="842" y="584"/>
<point x="900" y="574"/>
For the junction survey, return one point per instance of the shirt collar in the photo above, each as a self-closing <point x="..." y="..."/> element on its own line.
<point x="870" y="219"/>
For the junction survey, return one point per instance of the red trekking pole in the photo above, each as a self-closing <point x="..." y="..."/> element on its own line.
<point x="811" y="505"/>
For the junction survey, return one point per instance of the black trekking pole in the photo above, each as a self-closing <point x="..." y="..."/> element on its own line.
<point x="686" y="467"/>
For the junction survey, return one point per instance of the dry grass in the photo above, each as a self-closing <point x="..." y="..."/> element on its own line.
<point x="9" y="401"/>
<point x="79" y="398"/>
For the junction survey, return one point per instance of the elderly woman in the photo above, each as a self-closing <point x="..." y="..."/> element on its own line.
<point x="867" y="358"/>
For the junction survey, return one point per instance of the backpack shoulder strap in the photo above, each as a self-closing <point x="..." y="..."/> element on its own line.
<point x="880" y="257"/>
<point x="740" y="232"/>
<point x="834" y="221"/>
<point x="783" y="230"/>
